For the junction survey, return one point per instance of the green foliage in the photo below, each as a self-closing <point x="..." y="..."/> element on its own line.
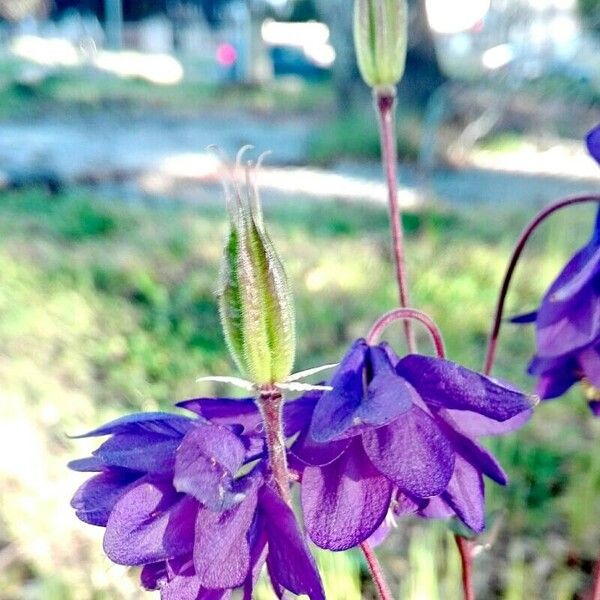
<point x="352" y="136"/>
<point x="110" y="307"/>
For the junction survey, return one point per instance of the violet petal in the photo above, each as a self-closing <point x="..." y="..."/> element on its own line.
<point x="473" y="424"/>
<point x="346" y="410"/>
<point x="444" y="384"/>
<point x="465" y="495"/>
<point x="593" y="142"/>
<point x="151" y="422"/>
<point x="221" y="549"/>
<point x="206" y="462"/>
<point x="150" y="523"/>
<point x="413" y="453"/>
<point x="95" y="498"/>
<point x="475" y="454"/>
<point x="344" y="502"/>
<point x="227" y="411"/>
<point x="589" y="360"/>
<point x="146" y="452"/>
<point x="289" y="561"/>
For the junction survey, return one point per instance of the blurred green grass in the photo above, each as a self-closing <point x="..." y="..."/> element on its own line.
<point x="109" y="307"/>
<point x="28" y="90"/>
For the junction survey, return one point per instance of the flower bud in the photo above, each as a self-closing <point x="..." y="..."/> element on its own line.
<point x="380" y="31"/>
<point x="255" y="303"/>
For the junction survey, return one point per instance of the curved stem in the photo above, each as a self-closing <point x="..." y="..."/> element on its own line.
<point x="383" y="590"/>
<point x="271" y="406"/>
<point x="385" y="105"/>
<point x="596" y="581"/>
<point x="518" y="250"/>
<point x="408" y="314"/>
<point x="466" y="559"/>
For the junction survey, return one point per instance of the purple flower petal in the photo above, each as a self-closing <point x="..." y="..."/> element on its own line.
<point x="444" y="384"/>
<point x="346" y="410"/>
<point x="257" y="538"/>
<point x="473" y="424"/>
<point x="344" y="502"/>
<point x="529" y="317"/>
<point x="595" y="407"/>
<point x="589" y="360"/>
<point x="556" y="375"/>
<point x="150" y="523"/>
<point x="206" y="463"/>
<point x="154" y="575"/>
<point x="289" y="561"/>
<point x="90" y="464"/>
<point x="312" y="453"/>
<point x="413" y="453"/>
<point x="437" y="508"/>
<point x="465" y="495"/>
<point x="475" y="454"/>
<point x="151" y="422"/>
<point x="298" y="413"/>
<point x="227" y="411"/>
<point x="146" y="452"/>
<point x="222" y="550"/>
<point x="593" y="142"/>
<point x="569" y="316"/>
<point x="334" y="411"/>
<point x="95" y="499"/>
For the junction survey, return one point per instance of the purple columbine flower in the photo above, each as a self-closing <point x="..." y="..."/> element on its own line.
<point x="168" y="492"/>
<point x="568" y="320"/>
<point x="400" y="434"/>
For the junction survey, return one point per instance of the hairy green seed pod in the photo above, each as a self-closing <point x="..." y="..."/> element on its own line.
<point x="380" y="32"/>
<point x="255" y="302"/>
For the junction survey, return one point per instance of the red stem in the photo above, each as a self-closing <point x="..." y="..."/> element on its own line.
<point x="465" y="549"/>
<point x="271" y="406"/>
<point x="518" y="250"/>
<point x="408" y="314"/>
<point x="385" y="103"/>
<point x="376" y="572"/>
<point x="595" y="595"/>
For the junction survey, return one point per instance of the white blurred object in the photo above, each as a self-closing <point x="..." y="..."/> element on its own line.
<point x="453" y="17"/>
<point x="311" y="37"/>
<point x="57" y="52"/>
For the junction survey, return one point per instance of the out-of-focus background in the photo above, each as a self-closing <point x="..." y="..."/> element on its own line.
<point x="112" y="223"/>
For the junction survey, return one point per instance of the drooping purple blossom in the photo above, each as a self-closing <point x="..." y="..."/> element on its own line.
<point x="400" y="434"/>
<point x="168" y="492"/>
<point x="567" y="325"/>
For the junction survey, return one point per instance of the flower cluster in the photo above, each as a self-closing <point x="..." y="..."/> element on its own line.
<point x="567" y="321"/>
<point x="192" y="499"/>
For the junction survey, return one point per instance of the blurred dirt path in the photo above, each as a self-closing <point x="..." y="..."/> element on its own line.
<point x="141" y="156"/>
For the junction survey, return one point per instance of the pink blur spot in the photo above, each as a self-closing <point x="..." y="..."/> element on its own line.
<point x="226" y="55"/>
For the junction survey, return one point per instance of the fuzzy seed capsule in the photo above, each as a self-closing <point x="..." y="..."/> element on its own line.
<point x="255" y="302"/>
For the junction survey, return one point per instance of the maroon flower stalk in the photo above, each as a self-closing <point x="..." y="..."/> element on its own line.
<point x="383" y="589"/>
<point x="596" y="584"/>
<point x="516" y="255"/>
<point x="271" y="406"/>
<point x="407" y="314"/>
<point x="385" y="104"/>
<point x="465" y="549"/>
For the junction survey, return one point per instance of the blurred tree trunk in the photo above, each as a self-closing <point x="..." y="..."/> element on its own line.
<point x="338" y="16"/>
<point x="423" y="74"/>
